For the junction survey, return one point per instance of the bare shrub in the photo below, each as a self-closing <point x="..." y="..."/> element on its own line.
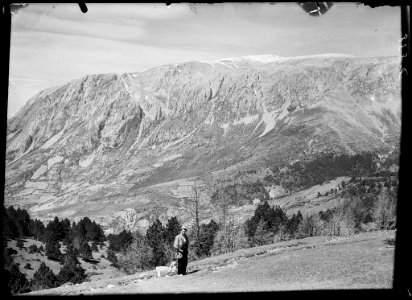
<point x="371" y="226"/>
<point x="390" y="242"/>
<point x="33" y="248"/>
<point x="311" y="225"/>
<point x="229" y="240"/>
<point x="331" y="227"/>
<point x="192" y="256"/>
<point x="137" y="257"/>
<point x="282" y="234"/>
<point x="318" y="225"/>
<point x="170" y="252"/>
<point x="385" y="211"/>
<point x="197" y="202"/>
<point x="344" y="223"/>
<point x="263" y="236"/>
<point x="347" y="226"/>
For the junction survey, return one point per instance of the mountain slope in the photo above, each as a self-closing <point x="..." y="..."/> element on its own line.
<point x="361" y="261"/>
<point x="123" y="149"/>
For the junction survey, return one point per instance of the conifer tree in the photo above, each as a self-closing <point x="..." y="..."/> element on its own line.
<point x="119" y="242"/>
<point x="94" y="232"/>
<point x="77" y="235"/>
<point x="173" y="228"/>
<point x="155" y="236"/>
<point x="19" y="243"/>
<point x="85" y="251"/>
<point x="37" y="229"/>
<point x="71" y="271"/>
<point x="111" y="256"/>
<point x="22" y="220"/>
<point x="293" y="223"/>
<point x="5" y="282"/>
<point x="94" y="247"/>
<point x="65" y="228"/>
<point x="18" y="282"/>
<point x="7" y="258"/>
<point x="53" y="250"/>
<point x="207" y="236"/>
<point x="9" y="227"/>
<point x="70" y="255"/>
<point x="262" y="235"/>
<point x="44" y="278"/>
<point x="275" y="217"/>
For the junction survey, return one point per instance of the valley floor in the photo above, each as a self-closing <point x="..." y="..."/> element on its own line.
<point x="362" y="261"/>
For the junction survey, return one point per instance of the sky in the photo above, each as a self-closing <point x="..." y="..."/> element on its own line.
<point x="52" y="44"/>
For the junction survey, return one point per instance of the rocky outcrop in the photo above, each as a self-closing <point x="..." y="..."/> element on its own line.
<point x="106" y="144"/>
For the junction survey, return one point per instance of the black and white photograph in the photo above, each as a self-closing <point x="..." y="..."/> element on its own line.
<point x="163" y="148"/>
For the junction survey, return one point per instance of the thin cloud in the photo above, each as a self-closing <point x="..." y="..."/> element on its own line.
<point x="58" y="43"/>
<point x="113" y="11"/>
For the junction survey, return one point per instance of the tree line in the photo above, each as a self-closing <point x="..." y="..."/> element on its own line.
<point x="324" y="167"/>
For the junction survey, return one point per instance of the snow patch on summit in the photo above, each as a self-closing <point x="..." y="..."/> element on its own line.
<point x="264" y="58"/>
<point x="268" y="58"/>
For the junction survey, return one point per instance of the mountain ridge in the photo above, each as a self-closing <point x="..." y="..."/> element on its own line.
<point x="201" y="61"/>
<point x="115" y="140"/>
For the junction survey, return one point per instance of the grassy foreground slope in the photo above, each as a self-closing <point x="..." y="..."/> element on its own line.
<point x="363" y="261"/>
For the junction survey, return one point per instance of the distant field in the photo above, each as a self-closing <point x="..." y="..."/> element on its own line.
<point x="361" y="261"/>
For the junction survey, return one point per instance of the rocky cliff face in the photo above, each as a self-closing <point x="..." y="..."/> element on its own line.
<point x="124" y="149"/>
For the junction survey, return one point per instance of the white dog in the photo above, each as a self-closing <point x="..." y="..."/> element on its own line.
<point x="164" y="271"/>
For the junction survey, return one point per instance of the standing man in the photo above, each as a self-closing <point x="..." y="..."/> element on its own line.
<point x="181" y="245"/>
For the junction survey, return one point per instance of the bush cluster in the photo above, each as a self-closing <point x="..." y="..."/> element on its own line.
<point x="17" y="224"/>
<point x="365" y="207"/>
<point x="119" y="242"/>
<point x="138" y="252"/>
<point x="269" y="222"/>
